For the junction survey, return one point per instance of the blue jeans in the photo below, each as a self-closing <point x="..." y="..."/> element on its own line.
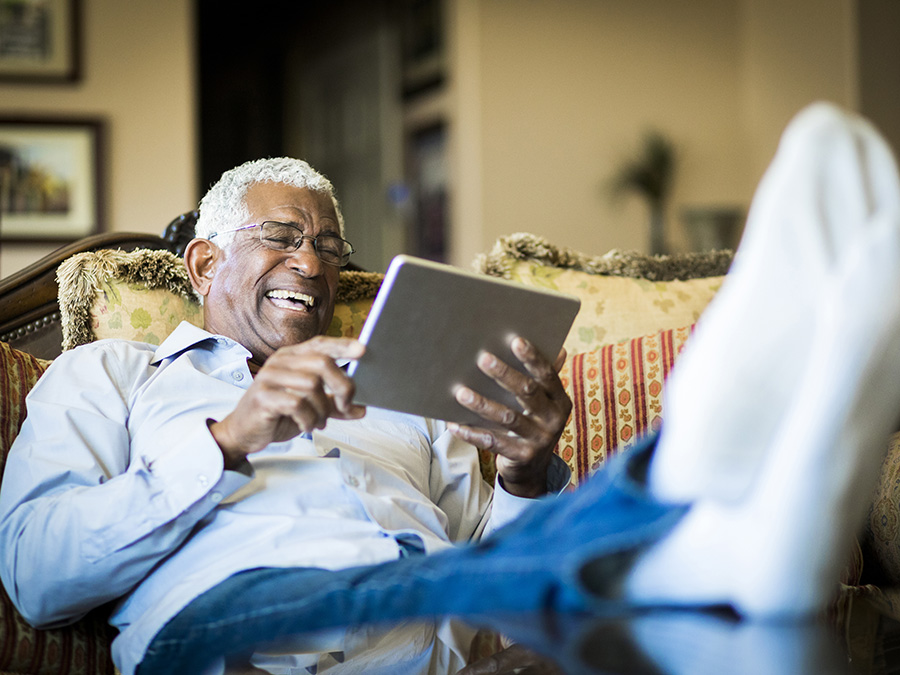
<point x="568" y="553"/>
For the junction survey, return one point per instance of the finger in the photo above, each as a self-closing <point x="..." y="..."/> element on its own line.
<point x="311" y="371"/>
<point x="515" y="448"/>
<point x="308" y="408"/>
<point x="336" y="348"/>
<point x="492" y="411"/>
<point x="544" y="372"/>
<point x="506" y="376"/>
<point x="560" y="360"/>
<point x="541" y="402"/>
<point x="477" y="436"/>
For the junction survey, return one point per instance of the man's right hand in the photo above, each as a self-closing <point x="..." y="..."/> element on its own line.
<point x="297" y="389"/>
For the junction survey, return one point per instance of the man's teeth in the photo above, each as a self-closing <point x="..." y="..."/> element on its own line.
<point x="307" y="300"/>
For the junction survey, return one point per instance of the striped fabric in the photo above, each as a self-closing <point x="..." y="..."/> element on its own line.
<point x="616" y="392"/>
<point x="80" y="649"/>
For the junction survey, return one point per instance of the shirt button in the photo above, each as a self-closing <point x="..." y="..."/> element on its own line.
<point x="354" y="481"/>
<point x="203" y="480"/>
<point x="216" y="497"/>
<point x="237" y="375"/>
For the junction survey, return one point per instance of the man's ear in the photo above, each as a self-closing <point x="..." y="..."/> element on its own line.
<point x="200" y="258"/>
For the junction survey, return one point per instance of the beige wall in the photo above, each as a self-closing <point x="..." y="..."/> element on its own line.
<point x="138" y="74"/>
<point x="549" y="98"/>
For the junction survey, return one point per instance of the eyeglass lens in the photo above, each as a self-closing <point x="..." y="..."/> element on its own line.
<point x="282" y="237"/>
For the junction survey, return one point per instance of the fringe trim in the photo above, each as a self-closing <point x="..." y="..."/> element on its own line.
<point x="522" y="246"/>
<point x="81" y="276"/>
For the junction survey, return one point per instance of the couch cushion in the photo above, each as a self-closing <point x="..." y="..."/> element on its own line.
<point x="143" y="295"/>
<point x="616" y="393"/>
<point x="139" y="295"/>
<point x="622" y="294"/>
<point x="82" y="647"/>
<point x="18" y="373"/>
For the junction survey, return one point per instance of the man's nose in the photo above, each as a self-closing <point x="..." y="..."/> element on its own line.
<point x="305" y="260"/>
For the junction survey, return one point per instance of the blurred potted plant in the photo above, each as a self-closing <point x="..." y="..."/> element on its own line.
<point x="650" y="177"/>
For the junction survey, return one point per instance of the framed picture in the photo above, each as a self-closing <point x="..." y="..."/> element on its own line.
<point x="50" y="179"/>
<point x="39" y="40"/>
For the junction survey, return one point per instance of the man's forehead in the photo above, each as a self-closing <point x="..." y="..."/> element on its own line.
<point x="289" y="201"/>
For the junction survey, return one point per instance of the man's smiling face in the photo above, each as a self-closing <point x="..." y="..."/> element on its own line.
<point x="266" y="299"/>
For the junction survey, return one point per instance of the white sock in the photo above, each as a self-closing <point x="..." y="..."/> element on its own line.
<point x="782" y="450"/>
<point x="832" y="176"/>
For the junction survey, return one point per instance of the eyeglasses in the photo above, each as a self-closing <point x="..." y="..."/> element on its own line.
<point x="329" y="248"/>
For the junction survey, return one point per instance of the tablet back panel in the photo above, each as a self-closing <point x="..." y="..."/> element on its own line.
<point x="427" y="326"/>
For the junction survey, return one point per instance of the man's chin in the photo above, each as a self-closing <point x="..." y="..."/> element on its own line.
<point x="295" y="334"/>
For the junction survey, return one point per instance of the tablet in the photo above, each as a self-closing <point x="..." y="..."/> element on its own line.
<point x="427" y="326"/>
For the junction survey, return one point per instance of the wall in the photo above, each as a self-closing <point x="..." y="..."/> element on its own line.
<point x="878" y="35"/>
<point x="549" y="98"/>
<point x="793" y="53"/>
<point x="546" y="100"/>
<point x="138" y="74"/>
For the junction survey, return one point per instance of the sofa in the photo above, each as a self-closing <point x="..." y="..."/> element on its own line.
<point x="637" y="313"/>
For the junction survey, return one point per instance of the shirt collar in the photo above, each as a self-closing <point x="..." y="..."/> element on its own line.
<point x="185" y="336"/>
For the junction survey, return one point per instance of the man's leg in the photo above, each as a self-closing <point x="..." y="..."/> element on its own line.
<point x="780" y="409"/>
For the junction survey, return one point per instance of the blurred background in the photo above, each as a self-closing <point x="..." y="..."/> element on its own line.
<point x="445" y="124"/>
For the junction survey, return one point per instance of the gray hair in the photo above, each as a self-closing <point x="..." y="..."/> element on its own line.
<point x="224" y="207"/>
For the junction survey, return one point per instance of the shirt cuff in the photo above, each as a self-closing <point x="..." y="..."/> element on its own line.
<point x="507" y="507"/>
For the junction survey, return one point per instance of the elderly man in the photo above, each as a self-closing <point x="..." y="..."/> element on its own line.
<point x="238" y="447"/>
<point x="226" y="491"/>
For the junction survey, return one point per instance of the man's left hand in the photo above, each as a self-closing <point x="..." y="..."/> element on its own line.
<point x="524" y="443"/>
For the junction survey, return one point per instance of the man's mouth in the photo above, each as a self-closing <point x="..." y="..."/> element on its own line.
<point x="292" y="299"/>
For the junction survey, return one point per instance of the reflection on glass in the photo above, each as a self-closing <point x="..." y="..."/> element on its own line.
<point x="648" y="643"/>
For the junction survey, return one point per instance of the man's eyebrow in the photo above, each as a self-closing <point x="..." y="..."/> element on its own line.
<point x="331" y="231"/>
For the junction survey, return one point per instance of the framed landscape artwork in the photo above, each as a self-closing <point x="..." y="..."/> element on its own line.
<point x="50" y="179"/>
<point x="39" y="40"/>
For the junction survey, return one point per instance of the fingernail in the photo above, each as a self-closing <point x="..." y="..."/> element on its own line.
<point x="464" y="395"/>
<point x="487" y="360"/>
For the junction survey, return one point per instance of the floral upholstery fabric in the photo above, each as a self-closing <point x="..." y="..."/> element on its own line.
<point x="131" y="311"/>
<point x="349" y="317"/>
<point x="616" y="393"/>
<point x="620" y="308"/>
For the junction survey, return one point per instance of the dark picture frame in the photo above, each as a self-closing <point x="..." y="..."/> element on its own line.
<point x="51" y="179"/>
<point x="40" y="41"/>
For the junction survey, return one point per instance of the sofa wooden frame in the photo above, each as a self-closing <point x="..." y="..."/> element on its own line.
<point x="29" y="309"/>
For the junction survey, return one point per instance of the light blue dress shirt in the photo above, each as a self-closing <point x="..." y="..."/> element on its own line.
<point x="115" y="488"/>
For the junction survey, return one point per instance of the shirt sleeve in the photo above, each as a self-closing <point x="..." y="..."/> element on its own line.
<point x="507" y="507"/>
<point x="83" y="520"/>
<point x="474" y="510"/>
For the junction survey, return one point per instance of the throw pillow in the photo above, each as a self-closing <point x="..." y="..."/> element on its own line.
<point x="140" y="295"/>
<point x="356" y="291"/>
<point x="143" y="295"/>
<point x="616" y="392"/>
<point x="623" y="294"/>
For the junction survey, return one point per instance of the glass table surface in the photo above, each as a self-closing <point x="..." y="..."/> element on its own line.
<point x="863" y="640"/>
